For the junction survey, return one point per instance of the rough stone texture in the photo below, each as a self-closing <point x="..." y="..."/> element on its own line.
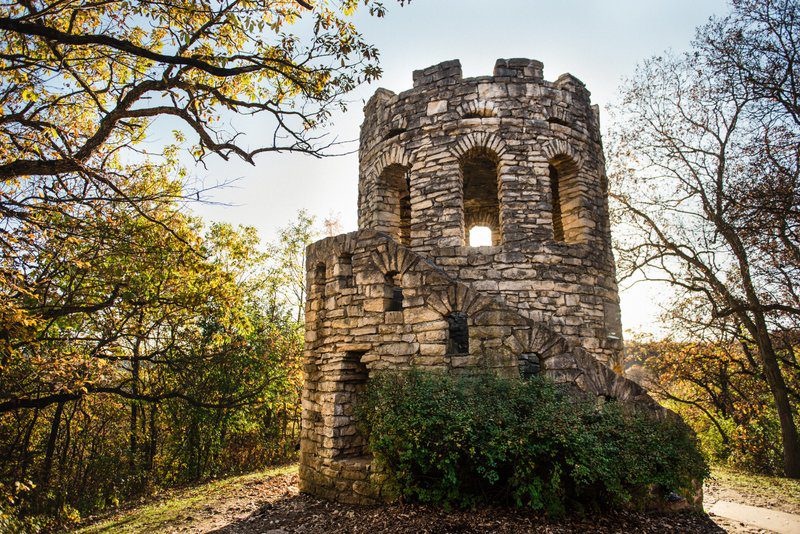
<point x="525" y="126"/>
<point x="512" y="152"/>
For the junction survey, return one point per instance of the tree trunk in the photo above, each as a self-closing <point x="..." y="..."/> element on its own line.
<point x="50" y="450"/>
<point x="777" y="385"/>
<point x="134" y="428"/>
<point x="151" y="449"/>
<point x="64" y="466"/>
<point x="26" y="442"/>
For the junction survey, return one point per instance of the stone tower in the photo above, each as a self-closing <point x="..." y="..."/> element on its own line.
<point x="513" y="153"/>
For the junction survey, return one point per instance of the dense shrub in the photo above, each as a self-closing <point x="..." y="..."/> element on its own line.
<point x="463" y="440"/>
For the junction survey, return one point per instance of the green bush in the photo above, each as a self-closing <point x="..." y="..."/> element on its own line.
<point x="457" y="441"/>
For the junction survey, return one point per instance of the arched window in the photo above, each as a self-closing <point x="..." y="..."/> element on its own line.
<point x="394" y="203"/>
<point x="393" y="293"/>
<point x="351" y="383"/>
<point x="555" y="194"/>
<point x="565" y="194"/>
<point x="481" y="195"/>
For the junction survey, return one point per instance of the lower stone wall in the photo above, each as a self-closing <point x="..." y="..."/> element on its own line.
<point x="355" y="328"/>
<point x="570" y="292"/>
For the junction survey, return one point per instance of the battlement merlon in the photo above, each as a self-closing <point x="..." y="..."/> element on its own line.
<point x="445" y="73"/>
<point x="526" y="69"/>
<point x="448" y="74"/>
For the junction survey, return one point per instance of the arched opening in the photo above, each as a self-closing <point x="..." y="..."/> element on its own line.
<point x="394" y="203"/>
<point x="529" y="365"/>
<point x="481" y="198"/>
<point x="555" y="195"/>
<point x="480" y="236"/>
<point x="351" y="383"/>
<point x="565" y="195"/>
<point x="393" y="292"/>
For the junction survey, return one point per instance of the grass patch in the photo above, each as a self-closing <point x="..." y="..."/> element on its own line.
<point x="176" y="505"/>
<point x="768" y="488"/>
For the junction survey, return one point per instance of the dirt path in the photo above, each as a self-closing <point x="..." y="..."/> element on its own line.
<point x="749" y="504"/>
<point x="270" y="503"/>
<point x="206" y="508"/>
<point x="755" y="517"/>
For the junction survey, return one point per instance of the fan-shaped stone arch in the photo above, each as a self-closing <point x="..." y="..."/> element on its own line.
<point x="559" y="149"/>
<point x="476" y="109"/>
<point x="481" y="141"/>
<point x="394" y="259"/>
<point x="458" y="298"/>
<point x="393" y="155"/>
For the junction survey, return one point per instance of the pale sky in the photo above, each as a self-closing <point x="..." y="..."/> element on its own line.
<point x="600" y="42"/>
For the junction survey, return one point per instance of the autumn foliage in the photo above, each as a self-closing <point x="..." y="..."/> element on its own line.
<point x="719" y="389"/>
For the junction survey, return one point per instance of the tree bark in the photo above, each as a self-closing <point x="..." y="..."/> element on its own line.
<point x="777" y="385"/>
<point x="26" y="454"/>
<point x="134" y="428"/>
<point x="151" y="449"/>
<point x="51" y="447"/>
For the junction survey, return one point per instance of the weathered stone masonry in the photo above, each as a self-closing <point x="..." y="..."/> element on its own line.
<point x="511" y="152"/>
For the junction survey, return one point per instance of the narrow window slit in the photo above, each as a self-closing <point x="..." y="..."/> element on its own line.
<point x="457" y="333"/>
<point x="556" y="120"/>
<point x="393" y="293"/>
<point x="394" y="132"/>
<point x="558" y="224"/>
